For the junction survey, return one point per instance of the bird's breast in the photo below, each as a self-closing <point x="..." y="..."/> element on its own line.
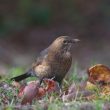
<point x="61" y="63"/>
<point x="43" y="70"/>
<point x="54" y="66"/>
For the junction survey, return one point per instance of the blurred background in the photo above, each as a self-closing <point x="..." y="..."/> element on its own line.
<point x="29" y="26"/>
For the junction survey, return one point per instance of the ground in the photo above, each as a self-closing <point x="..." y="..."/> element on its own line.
<point x="9" y="96"/>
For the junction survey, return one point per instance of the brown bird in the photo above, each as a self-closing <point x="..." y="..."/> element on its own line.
<point x="55" y="61"/>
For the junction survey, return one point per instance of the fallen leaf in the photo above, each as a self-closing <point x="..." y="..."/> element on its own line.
<point x="21" y="92"/>
<point x="41" y="92"/>
<point x="29" y="93"/>
<point x="99" y="74"/>
<point x="51" y="86"/>
<point x="34" y="90"/>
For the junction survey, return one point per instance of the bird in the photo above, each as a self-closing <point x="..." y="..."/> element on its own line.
<point x="53" y="62"/>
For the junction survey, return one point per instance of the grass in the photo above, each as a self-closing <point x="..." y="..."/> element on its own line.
<point x="97" y="105"/>
<point x="53" y="103"/>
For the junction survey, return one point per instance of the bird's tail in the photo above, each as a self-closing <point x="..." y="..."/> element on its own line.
<point x="23" y="76"/>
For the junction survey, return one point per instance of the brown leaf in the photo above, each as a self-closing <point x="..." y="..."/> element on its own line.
<point x="35" y="90"/>
<point x="51" y="85"/>
<point x="41" y="93"/>
<point x="29" y="93"/>
<point x="21" y="91"/>
<point x="99" y="74"/>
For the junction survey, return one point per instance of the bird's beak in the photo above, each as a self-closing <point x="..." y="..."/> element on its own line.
<point x="75" y="40"/>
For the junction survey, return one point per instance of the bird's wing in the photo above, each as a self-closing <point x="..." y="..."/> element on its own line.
<point x="43" y="54"/>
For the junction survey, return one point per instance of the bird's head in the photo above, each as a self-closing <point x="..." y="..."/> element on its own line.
<point x="64" y="43"/>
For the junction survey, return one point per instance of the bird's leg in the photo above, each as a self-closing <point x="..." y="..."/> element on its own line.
<point x="60" y="88"/>
<point x="41" y="80"/>
<point x="58" y="85"/>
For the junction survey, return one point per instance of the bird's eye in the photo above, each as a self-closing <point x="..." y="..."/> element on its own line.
<point x="65" y="41"/>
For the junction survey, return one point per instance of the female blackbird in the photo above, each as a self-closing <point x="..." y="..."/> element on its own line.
<point x="54" y="61"/>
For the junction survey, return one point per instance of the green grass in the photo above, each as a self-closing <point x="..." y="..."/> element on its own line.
<point x="56" y="103"/>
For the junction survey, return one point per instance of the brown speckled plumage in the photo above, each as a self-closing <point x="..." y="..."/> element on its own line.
<point x="55" y="61"/>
